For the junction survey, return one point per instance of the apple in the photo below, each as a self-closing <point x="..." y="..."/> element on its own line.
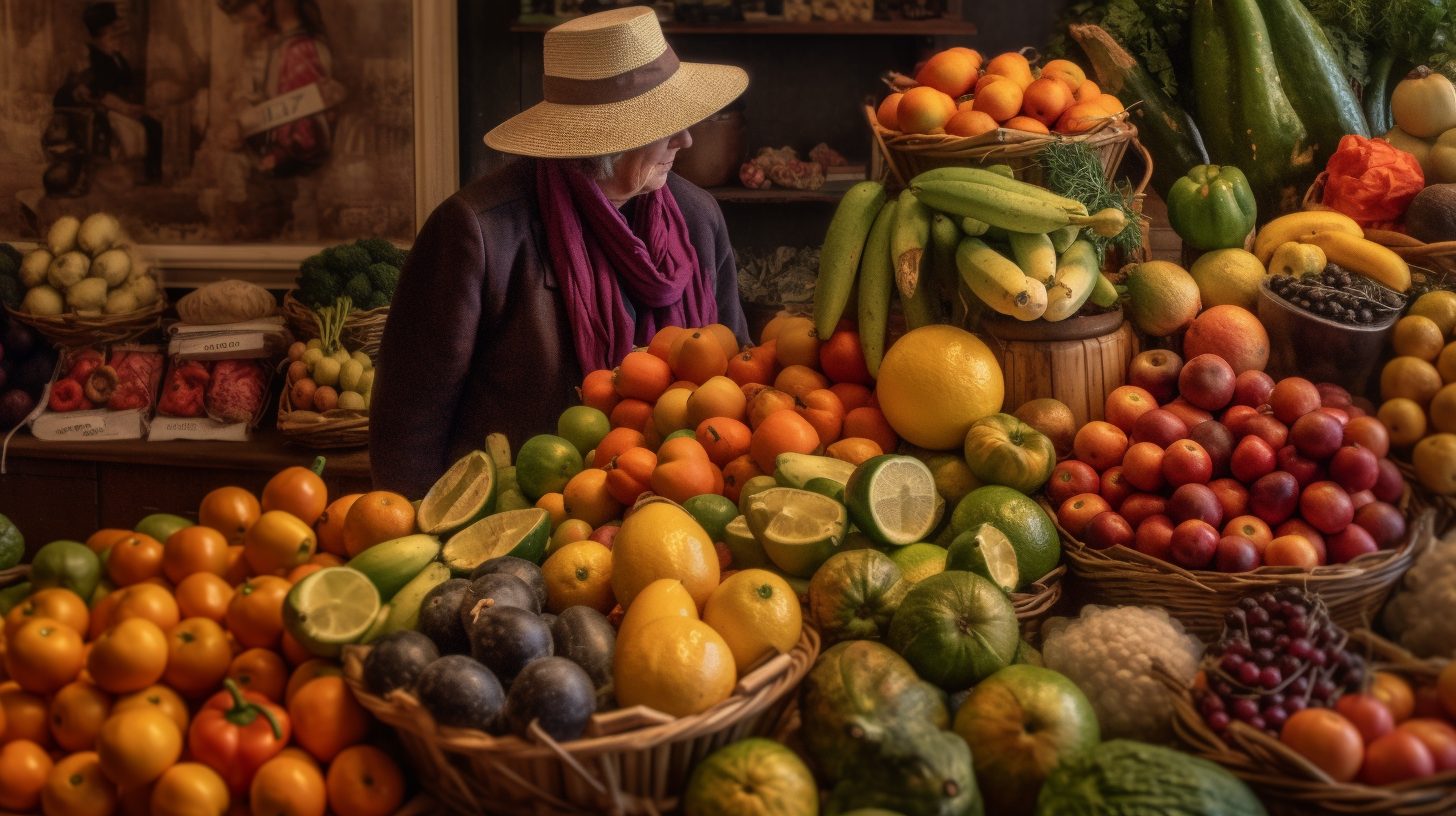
<point x="1160" y="427"/>
<point x="1355" y="468"/>
<point x="1267" y="428"/>
<point x="1070" y="478"/>
<point x="1207" y="381"/>
<point x="1195" y="501"/>
<point x="1327" y="507"/>
<point x="1317" y="435"/>
<point x="1349" y="544"/>
<point x="1186" y="462"/>
<point x="1252" y="388"/>
<point x="1139" y="507"/>
<point x="1235" y="416"/>
<point x="1292" y="398"/>
<point x="1155" y="537"/>
<point x="605" y="535"/>
<point x="1274" y="497"/>
<point x="1360" y="498"/>
<point x="1389" y="485"/>
<point x="1333" y="396"/>
<point x="1383" y="522"/>
<point x="1078" y="510"/>
<point x="1193" y="545"/>
<point x="1439" y="737"/>
<point x="1142" y="466"/>
<point x="1107" y="530"/>
<point x="1233" y="497"/>
<point x="1252" y="459"/>
<point x="1125" y="404"/>
<point x="1301" y="528"/>
<point x="1340" y="414"/>
<point x="1218" y="441"/>
<point x="1235" y="554"/>
<point x="1396" y="757"/>
<point x="1307" y="471"/>
<point x="1115" y="487"/>
<point x="1188" y="412"/>
<point x="1156" y="371"/>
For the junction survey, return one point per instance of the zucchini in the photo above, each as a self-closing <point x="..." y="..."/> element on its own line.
<point x="1375" y="97"/>
<point x="1213" y="80"/>
<point x="1313" y="77"/>
<point x="1165" y="129"/>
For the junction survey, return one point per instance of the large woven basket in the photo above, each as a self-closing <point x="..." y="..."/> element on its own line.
<point x="339" y="428"/>
<point x="1354" y="592"/>
<point x="632" y="761"/>
<point x="362" y="329"/>
<point x="1443" y="507"/>
<point x="1276" y="772"/>
<point x="71" y="330"/>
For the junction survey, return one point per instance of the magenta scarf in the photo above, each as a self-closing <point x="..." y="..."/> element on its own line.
<point x="596" y="254"/>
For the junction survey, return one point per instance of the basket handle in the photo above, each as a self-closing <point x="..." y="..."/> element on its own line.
<point x="1147" y="163"/>
<point x="885" y="151"/>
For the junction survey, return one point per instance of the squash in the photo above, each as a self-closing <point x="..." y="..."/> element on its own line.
<point x="1424" y="104"/>
<point x="1125" y="778"/>
<point x="225" y="301"/>
<point x="1441" y="164"/>
<point x="1420" y="148"/>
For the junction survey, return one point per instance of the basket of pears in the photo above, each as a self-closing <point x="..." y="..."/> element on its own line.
<point x="325" y="400"/>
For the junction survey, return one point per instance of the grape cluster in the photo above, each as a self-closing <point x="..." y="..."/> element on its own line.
<point x="1338" y="295"/>
<point x="1279" y="654"/>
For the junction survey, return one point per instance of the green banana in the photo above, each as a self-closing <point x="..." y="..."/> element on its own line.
<point x="843" y="247"/>
<point x="999" y="208"/>
<point x="876" y="280"/>
<point x="945" y="236"/>
<point x="1076" y="277"/>
<point x="1104" y="293"/>
<point x="1063" y="238"/>
<point x="999" y="281"/>
<point x="908" y="242"/>
<point x="976" y="175"/>
<point x="974" y="228"/>
<point x="1035" y="255"/>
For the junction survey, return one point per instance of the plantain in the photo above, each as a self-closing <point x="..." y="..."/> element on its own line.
<point x="843" y="246"/>
<point x="876" y="280"/>
<point x="908" y="242"/>
<point x="1035" y="255"/>
<point x="945" y="236"/>
<point x="1000" y="181"/>
<point x="1076" y="277"/>
<point x="1011" y="211"/>
<point x="1104" y="293"/>
<point x="999" y="282"/>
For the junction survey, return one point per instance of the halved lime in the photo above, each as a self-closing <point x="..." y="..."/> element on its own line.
<point x="892" y="498"/>
<point x="464" y="495"/>
<point x="799" y="530"/>
<point x="747" y="552"/>
<point x="797" y="469"/>
<point x="752" y="488"/>
<point x="987" y="552"/>
<point x="918" y="561"/>
<point x="521" y="533"/>
<point x="329" y="608"/>
<point x="826" y="487"/>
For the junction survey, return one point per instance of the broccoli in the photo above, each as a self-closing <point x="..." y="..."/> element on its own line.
<point x="382" y="251"/>
<point x="384" y="277"/>
<point x="378" y="300"/>
<point x="358" y="289"/>
<point x="346" y="261"/>
<point x="317" y="286"/>
<point x="8" y="268"/>
<point x="10" y="292"/>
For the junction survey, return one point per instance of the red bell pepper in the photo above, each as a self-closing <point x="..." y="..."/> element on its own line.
<point x="234" y="734"/>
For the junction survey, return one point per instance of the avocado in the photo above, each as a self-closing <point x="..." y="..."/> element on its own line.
<point x="506" y="638"/>
<point x="555" y="692"/>
<point x="397" y="660"/>
<point x="585" y="637"/>
<point x="519" y="567"/>
<point x="461" y="693"/>
<point x="440" y="617"/>
<point x="1431" y="216"/>
<point x="490" y="591"/>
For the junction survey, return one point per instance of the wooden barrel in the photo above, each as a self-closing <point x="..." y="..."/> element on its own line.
<point x="1078" y="361"/>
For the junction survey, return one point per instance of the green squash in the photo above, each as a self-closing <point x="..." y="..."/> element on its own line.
<point x="1126" y="778"/>
<point x="854" y="595"/>
<point x="956" y="629"/>
<point x="920" y="772"/>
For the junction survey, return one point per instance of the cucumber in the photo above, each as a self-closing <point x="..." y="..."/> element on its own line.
<point x="393" y="564"/>
<point x="1313" y="77"/>
<point x="876" y="279"/>
<point x="404" y="609"/>
<point x="1375" y="97"/>
<point x="796" y="469"/>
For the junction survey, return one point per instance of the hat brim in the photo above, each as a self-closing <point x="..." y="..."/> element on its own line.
<point x="554" y="131"/>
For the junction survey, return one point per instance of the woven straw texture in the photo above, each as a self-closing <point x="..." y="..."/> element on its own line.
<point x="71" y="330"/>
<point x="1035" y="604"/>
<point x="602" y="45"/>
<point x="338" y="428"/>
<point x="14" y="575"/>
<point x="633" y="761"/>
<point x="1444" y="507"/>
<point x="362" y="331"/>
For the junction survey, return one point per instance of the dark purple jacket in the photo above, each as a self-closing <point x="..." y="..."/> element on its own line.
<point x="478" y="339"/>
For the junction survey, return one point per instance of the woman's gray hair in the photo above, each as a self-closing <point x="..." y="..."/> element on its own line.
<point x="600" y="168"/>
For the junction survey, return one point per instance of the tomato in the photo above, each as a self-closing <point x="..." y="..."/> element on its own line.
<point x="260" y="671"/>
<point x="1369" y="715"/>
<point x="204" y="595"/>
<point x="1439" y="737"/>
<point x="25" y="716"/>
<point x="129" y="656"/>
<point x="1326" y="739"/>
<point x="293" y="651"/>
<point x="1396" y="757"/>
<point x="255" y="614"/>
<point x="147" y="601"/>
<point x="364" y="781"/>
<point x="298" y="491"/>
<point x="137" y="745"/>
<point x="76" y="714"/>
<point x="43" y="655"/>
<point x="279" y="541"/>
<point x="190" y="789"/>
<point x="238" y="567"/>
<point x="230" y="511"/>
<point x="330" y="526"/>
<point x="134" y="559"/>
<point x="77" y="787"/>
<point x="56" y="602"/>
<point x="158" y="697"/>
<point x="101" y="609"/>
<point x="326" y="717"/>
<point x="309" y="670"/>
<point x="288" y="786"/>
<point x="23" y="770"/>
<point x="194" y="549"/>
<point x="198" y="657"/>
<point x="302" y="571"/>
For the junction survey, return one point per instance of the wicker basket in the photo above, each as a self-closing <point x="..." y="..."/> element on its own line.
<point x="338" y="428"/>
<point x="1354" y="592"/>
<point x="14" y="575"/>
<point x="1035" y="604"/>
<point x="1444" y="507"/>
<point x="71" y="330"/>
<point x="1276" y="772"/>
<point x="362" y="330"/>
<point x="908" y="155"/>
<point x="635" y="761"/>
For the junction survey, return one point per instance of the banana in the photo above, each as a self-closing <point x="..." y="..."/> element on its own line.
<point x="1077" y="275"/>
<point x="1108" y="223"/>
<point x="999" y="208"/>
<point x="923" y="309"/>
<point x="876" y="279"/>
<point x="1295" y="225"/>
<point x="973" y="228"/>
<point x="908" y="242"/>
<point x="1000" y="181"/>
<point x="1366" y="257"/>
<point x="999" y="282"/>
<point x="1035" y="255"/>
<point x="1104" y="293"/>
<point x="843" y="246"/>
<point x="945" y="236"/>
<point x="1063" y="238"/>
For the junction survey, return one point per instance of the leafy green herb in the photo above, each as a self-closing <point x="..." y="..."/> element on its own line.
<point x="1072" y="170"/>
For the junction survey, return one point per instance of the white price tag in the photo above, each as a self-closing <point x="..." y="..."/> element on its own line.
<point x="216" y="348"/>
<point x="80" y="428"/>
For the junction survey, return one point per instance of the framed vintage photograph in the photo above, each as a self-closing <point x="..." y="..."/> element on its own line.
<point x="237" y="135"/>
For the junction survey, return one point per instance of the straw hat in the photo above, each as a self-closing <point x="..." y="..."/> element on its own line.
<point x="613" y="84"/>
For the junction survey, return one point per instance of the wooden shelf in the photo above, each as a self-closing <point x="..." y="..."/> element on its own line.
<point x="775" y="195"/>
<point x="897" y="27"/>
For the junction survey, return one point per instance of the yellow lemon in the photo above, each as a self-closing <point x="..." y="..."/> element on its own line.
<point x="662" y="598"/>
<point x="1443" y="409"/>
<point x="934" y="382"/>
<point x="1435" y="462"/>
<point x="1411" y="378"/>
<point x="757" y="614"/>
<point x="1446" y="363"/>
<point x="579" y="574"/>
<point x="1405" y="421"/>
<point x="661" y="540"/>
<point x="676" y="665"/>
<point x="1439" y="306"/>
<point x="1418" y="336"/>
<point x="1231" y="277"/>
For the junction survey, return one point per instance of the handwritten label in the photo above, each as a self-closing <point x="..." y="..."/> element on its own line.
<point x="236" y="345"/>
<point x="82" y="428"/>
<point x="280" y="110"/>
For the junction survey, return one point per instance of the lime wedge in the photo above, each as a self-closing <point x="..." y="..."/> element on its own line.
<point x="329" y="608"/>
<point x="521" y="533"/>
<point x="463" y="496"/>
<point x="893" y="499"/>
<point x="987" y="552"/>
<point x="918" y="561"/>
<point x="747" y="552"/>
<point x="376" y="629"/>
<point x="799" y="530"/>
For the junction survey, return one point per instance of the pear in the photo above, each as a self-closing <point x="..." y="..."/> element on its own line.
<point x="62" y="236"/>
<point x="363" y="360"/>
<point x="112" y="266"/>
<point x="68" y="269"/>
<point x="120" y="301"/>
<point x="98" y="233"/>
<point x="87" y="295"/>
<point x="43" y="300"/>
<point x="33" y="267"/>
<point x="144" y="289"/>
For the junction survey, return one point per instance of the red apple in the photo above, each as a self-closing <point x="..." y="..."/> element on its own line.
<point x="1333" y="396"/>
<point x="1292" y="398"/>
<point x="1139" y="507"/>
<point x="1195" y="501"/>
<point x="1349" y="544"/>
<point x="1188" y="412"/>
<point x="1156" y="371"/>
<point x="1340" y="414"/>
<point x="1078" y="510"/>
<point x="1233" y="497"/>
<point x="1327" y="506"/>
<point x="1115" y="487"/>
<point x="1252" y="458"/>
<point x="1383" y="522"/>
<point x="1439" y="737"/>
<point x="1369" y="433"/>
<point x="1252" y="388"/>
<point x="605" y="535"/>
<point x="1396" y="757"/>
<point x="1267" y="428"/>
<point x="1300" y="527"/>
<point x="1389" y="485"/>
<point x="1218" y="441"/>
<point x="1355" y="468"/>
<point x="1355" y="411"/>
<point x="1235" y="554"/>
<point x="1370" y="716"/>
<point x="1207" y="381"/>
<point x="1193" y="545"/>
<point x="1070" y="478"/>
<point x="1155" y="537"/>
<point x="1317" y="435"/>
<point x="1186" y="462"/>
<point x="1360" y="498"/>
<point x="1142" y="466"/>
<point x="1236" y="415"/>
<point x="1306" y="470"/>
<point x="1274" y="497"/>
<point x="1107" y="530"/>
<point x="1160" y="427"/>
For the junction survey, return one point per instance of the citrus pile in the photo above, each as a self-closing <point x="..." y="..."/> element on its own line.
<point x="1418" y="389"/>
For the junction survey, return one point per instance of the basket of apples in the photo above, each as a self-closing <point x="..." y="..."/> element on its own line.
<point x="1200" y="486"/>
<point x="325" y="400"/>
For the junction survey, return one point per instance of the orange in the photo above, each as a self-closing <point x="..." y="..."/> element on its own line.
<point x="203" y="595"/>
<point x="24" y="767"/>
<point x="579" y="574"/>
<point x="129" y="656"/>
<point x="771" y="329"/>
<point x="853" y="395"/>
<point x="302" y="571"/>
<point x="58" y="603"/>
<point x="1109" y="104"/>
<point x="782" y="432"/>
<point x="616" y="441"/>
<point x="375" y="518"/>
<point x="1443" y="409"/>
<point x="326" y="718"/>
<point x="630" y="474"/>
<point x="799" y="380"/>
<point x="136" y="746"/>
<point x="587" y="498"/>
<point x="238" y="567"/>
<point x="324" y="559"/>
<point x="1088" y="91"/>
<point x="1446" y="363"/>
<point x="680" y="449"/>
<point x="1013" y="66"/>
<point x="726" y="338"/>
<point x="825" y="412"/>
<point x="868" y="422"/>
<point x="798" y="343"/>
<point x="155" y="697"/>
<point x="682" y="479"/>
<point x="754" y="365"/>
<point x="146" y="601"/>
<point x="999" y="100"/>
<point x="924" y="110"/>
<point x="951" y="72"/>
<point x="288" y="785"/>
<point x="854" y="450"/>
<point x="1100" y="445"/>
<point x="632" y="413"/>
<point x="230" y="511"/>
<point x="1395" y="693"/>
<point x="1405" y="421"/>
<point x="101" y="540"/>
<point x="255" y="614"/>
<point x="43" y="655"/>
<point x="888" y="114"/>
<point x="642" y="376"/>
<point x="198" y="657"/>
<point x="970" y="123"/>
<point x="1025" y="123"/>
<point x="279" y="541"/>
<point x="987" y="79"/>
<point x="134" y="559"/>
<point x="293" y="651"/>
<point x="1081" y="116"/>
<point x="308" y="670"/>
<point x="76" y="786"/>
<point x="1326" y="739"/>
<point x="260" y="671"/>
<point x="76" y="714"/>
<point x="1067" y="72"/>
<point x="723" y="439"/>
<point x="364" y="781"/>
<point x="101" y="614"/>
<point x="736" y="474"/>
<point x="662" y="342"/>
<point x="598" y="392"/>
<point x="330" y="526"/>
<point x="697" y="356"/>
<point x="25" y="715"/>
<point x="194" y="549"/>
<point x="1045" y="99"/>
<point x="299" y="491"/>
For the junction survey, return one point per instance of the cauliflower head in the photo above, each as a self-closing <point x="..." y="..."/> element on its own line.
<point x="1419" y="614"/>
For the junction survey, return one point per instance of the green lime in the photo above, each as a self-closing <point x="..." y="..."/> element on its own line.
<point x="892" y="498"/>
<point x="161" y="526"/>
<point x="583" y="427"/>
<point x="330" y="608"/>
<point x="987" y="552"/>
<point x="918" y="561"/>
<point x="753" y="487"/>
<point x="464" y="495"/>
<point x="11" y="596"/>
<point x="505" y="479"/>
<point x="746" y="551"/>
<point x="683" y="433"/>
<point x="513" y="499"/>
<point x="754" y="775"/>
<point x="12" y="544"/>
<point x="545" y="464"/>
<point x="799" y="530"/>
<point x="520" y="533"/>
<point x="826" y="487"/>
<point x="1025" y="524"/>
<point x="713" y="512"/>
<point x="67" y="564"/>
<point x="797" y="469"/>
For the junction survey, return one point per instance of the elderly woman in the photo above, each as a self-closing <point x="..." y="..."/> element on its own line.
<point x="559" y="263"/>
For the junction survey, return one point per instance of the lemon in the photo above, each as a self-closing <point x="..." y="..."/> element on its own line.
<point x="329" y="608"/>
<point x="798" y="529"/>
<point x="1435" y="462"/>
<point x="1410" y="378"/>
<point x="1439" y="306"/>
<point x="1228" y="277"/>
<point x="1405" y="421"/>
<point x="745" y="549"/>
<point x="1443" y="409"/>
<point x="579" y="574"/>
<point x="934" y="382"/>
<point x="662" y="598"/>
<point x="919" y="561"/>
<point x="676" y="665"/>
<point x="463" y="496"/>
<point x="1291" y="258"/>
<point x="892" y="499"/>
<point x="660" y="540"/>
<point x="521" y="533"/>
<point x="757" y="614"/>
<point x="1418" y="336"/>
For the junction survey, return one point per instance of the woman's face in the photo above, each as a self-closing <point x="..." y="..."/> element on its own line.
<point x="644" y="169"/>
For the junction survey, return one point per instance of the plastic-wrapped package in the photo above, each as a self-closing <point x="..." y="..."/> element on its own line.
<point x="236" y="391"/>
<point x="182" y="394"/>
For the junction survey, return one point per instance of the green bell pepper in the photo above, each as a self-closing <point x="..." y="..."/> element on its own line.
<point x="1212" y="207"/>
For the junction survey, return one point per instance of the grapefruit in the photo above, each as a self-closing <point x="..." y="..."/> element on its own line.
<point x="935" y="382"/>
<point x="1231" y="332"/>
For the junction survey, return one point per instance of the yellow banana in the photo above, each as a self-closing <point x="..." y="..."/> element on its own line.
<point x="1001" y="181"/>
<point x="840" y="257"/>
<point x="1035" y="255"/>
<point x="999" y="208"/>
<point x="1076" y="276"/>
<point x="1296" y="225"/>
<point x="999" y="281"/>
<point x="1365" y="257"/>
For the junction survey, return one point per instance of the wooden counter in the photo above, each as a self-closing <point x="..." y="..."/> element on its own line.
<point x="57" y="490"/>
